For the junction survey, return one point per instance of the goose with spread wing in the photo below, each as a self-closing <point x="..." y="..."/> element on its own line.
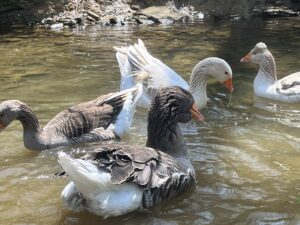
<point x="138" y="65"/>
<point x="266" y="84"/>
<point x="104" y="118"/>
<point x="115" y="179"/>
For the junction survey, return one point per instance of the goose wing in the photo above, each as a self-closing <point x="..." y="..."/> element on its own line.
<point x="137" y="65"/>
<point x="289" y="85"/>
<point x="159" y="175"/>
<point x="92" y="119"/>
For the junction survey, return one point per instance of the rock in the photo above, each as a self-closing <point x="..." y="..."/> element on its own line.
<point x="138" y="21"/>
<point x="166" y="21"/>
<point x="48" y="21"/>
<point x="184" y="19"/>
<point x="113" y="21"/>
<point x="279" y="3"/>
<point x="57" y="26"/>
<point x="160" y="12"/>
<point x="78" y="20"/>
<point x="93" y="15"/>
<point x="278" y="12"/>
<point x="90" y="18"/>
<point x="135" y="7"/>
<point x="154" y="19"/>
<point x="70" y="22"/>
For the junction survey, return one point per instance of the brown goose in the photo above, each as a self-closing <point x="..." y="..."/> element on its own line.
<point x="104" y="118"/>
<point x="116" y="179"/>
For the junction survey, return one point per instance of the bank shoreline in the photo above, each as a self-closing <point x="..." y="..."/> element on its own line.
<point x="58" y="14"/>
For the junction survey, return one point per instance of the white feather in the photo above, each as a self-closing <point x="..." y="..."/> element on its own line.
<point x="102" y="197"/>
<point x="138" y="65"/>
<point x="124" y="119"/>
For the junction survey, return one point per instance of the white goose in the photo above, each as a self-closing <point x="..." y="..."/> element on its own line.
<point x="137" y="65"/>
<point x="266" y="84"/>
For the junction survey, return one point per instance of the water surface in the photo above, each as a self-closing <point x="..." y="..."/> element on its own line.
<point x="246" y="157"/>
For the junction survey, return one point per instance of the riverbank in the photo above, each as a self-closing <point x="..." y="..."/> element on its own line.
<point x="56" y="14"/>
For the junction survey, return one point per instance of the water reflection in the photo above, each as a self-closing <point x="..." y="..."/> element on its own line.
<point x="246" y="156"/>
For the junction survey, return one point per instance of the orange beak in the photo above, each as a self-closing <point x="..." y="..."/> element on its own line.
<point x="2" y="126"/>
<point x="228" y="84"/>
<point x="246" y="58"/>
<point x="196" y="113"/>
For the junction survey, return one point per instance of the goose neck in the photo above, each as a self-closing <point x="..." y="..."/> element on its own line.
<point x="31" y="127"/>
<point x="268" y="67"/>
<point x="165" y="135"/>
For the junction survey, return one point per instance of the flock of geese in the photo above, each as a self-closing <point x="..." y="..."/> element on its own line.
<point x="115" y="179"/>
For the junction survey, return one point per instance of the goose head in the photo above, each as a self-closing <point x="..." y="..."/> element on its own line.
<point x="215" y="67"/>
<point x="174" y="104"/>
<point x="256" y="55"/>
<point x="9" y="111"/>
<point x="170" y="106"/>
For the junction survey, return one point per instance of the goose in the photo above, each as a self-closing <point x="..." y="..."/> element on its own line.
<point x="115" y="179"/>
<point x="266" y="84"/>
<point x="104" y="118"/>
<point x="138" y="65"/>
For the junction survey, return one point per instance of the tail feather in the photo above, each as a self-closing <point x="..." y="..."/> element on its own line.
<point x="91" y="189"/>
<point x="124" y="119"/>
<point x="87" y="177"/>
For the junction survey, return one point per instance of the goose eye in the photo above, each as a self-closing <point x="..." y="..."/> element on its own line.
<point x="226" y="73"/>
<point x="254" y="53"/>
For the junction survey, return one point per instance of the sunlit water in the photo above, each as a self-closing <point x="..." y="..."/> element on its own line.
<point x="247" y="156"/>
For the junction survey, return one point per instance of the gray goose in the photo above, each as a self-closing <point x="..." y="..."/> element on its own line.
<point x="115" y="179"/>
<point x="104" y="118"/>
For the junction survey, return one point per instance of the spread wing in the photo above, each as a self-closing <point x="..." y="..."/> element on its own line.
<point x="137" y="65"/>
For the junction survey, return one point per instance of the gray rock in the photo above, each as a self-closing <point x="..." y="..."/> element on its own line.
<point x="93" y="15"/>
<point x="57" y="26"/>
<point x="278" y="12"/>
<point x="48" y="21"/>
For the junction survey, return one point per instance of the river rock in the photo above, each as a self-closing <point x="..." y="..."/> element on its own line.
<point x="48" y="21"/>
<point x="278" y="12"/>
<point x="57" y="26"/>
<point x="93" y="15"/>
<point x="161" y="12"/>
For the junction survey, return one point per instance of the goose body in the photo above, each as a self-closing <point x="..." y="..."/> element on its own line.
<point x="266" y="84"/>
<point x="116" y="179"/>
<point x="104" y="118"/>
<point x="137" y="65"/>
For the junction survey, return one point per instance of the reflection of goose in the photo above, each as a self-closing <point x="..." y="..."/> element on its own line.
<point x="116" y="179"/>
<point x="104" y="118"/>
<point x="137" y="65"/>
<point x="266" y="84"/>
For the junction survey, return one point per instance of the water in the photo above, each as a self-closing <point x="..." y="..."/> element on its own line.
<point x="246" y="156"/>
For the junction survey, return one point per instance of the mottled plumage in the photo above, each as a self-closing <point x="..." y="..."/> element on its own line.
<point x="141" y="176"/>
<point x="95" y="120"/>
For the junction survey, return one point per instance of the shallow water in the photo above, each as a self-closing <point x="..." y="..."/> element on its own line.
<point x="246" y="156"/>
